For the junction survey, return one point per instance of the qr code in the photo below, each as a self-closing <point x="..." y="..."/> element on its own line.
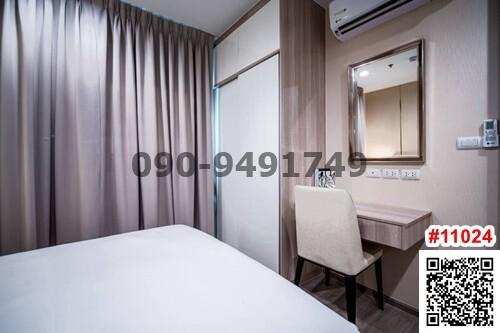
<point x="459" y="290"/>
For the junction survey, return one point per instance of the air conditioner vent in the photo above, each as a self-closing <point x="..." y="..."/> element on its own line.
<point x="350" y="18"/>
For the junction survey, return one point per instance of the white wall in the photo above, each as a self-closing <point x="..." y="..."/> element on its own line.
<point x="459" y="187"/>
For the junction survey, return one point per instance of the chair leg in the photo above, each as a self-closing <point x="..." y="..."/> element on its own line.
<point x="380" y="288"/>
<point x="327" y="277"/>
<point x="350" y="293"/>
<point x="298" y="270"/>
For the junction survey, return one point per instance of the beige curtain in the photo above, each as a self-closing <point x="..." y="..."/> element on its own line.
<point x="85" y="85"/>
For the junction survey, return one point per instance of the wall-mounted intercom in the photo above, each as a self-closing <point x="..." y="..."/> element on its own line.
<point x="490" y="133"/>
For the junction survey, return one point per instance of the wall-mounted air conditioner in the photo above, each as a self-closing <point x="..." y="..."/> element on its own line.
<point x="349" y="18"/>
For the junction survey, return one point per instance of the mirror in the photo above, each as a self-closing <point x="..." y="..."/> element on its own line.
<point x="386" y="107"/>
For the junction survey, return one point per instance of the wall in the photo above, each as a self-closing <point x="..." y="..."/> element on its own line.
<point x="382" y="114"/>
<point x="494" y="76"/>
<point x="409" y="119"/>
<point x="459" y="187"/>
<point x="392" y="121"/>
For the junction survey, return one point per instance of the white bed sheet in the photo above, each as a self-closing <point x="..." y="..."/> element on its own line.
<point x="170" y="279"/>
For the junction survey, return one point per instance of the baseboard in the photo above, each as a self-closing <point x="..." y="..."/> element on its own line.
<point x="392" y="301"/>
<point x="389" y="300"/>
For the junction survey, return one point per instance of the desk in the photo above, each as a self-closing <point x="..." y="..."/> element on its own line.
<point x="396" y="227"/>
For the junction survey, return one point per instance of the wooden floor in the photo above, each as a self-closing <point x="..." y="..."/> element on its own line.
<point x="369" y="318"/>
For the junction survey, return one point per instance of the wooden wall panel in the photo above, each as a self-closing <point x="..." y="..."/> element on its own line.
<point x="302" y="56"/>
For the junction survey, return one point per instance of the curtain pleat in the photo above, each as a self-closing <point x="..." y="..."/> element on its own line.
<point x="85" y="85"/>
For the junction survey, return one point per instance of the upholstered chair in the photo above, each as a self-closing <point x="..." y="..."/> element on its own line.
<point x="328" y="235"/>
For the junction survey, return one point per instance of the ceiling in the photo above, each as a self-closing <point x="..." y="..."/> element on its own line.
<point x="381" y="75"/>
<point x="323" y="3"/>
<point x="212" y="16"/>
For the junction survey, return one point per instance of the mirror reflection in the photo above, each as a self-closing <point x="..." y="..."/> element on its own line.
<point x="386" y="106"/>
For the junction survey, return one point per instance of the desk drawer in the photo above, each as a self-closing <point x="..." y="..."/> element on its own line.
<point x="382" y="233"/>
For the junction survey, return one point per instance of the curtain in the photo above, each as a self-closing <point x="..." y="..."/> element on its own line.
<point x="359" y="121"/>
<point x="84" y="86"/>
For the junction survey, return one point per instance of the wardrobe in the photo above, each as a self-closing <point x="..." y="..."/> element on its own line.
<point x="269" y="81"/>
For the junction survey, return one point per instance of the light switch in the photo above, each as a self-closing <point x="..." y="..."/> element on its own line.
<point x="373" y="173"/>
<point x="469" y="142"/>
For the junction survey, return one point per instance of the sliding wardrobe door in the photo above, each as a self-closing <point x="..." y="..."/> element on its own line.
<point x="248" y="205"/>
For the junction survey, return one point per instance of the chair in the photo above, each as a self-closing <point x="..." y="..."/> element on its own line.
<point x="328" y="235"/>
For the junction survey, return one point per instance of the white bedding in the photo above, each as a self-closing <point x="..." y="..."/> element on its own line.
<point x="171" y="279"/>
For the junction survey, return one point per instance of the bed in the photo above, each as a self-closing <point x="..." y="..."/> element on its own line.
<point x="171" y="279"/>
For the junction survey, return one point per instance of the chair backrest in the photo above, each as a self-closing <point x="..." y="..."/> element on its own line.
<point x="327" y="229"/>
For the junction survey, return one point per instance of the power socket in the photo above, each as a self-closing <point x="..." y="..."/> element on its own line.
<point x="410" y="174"/>
<point x="391" y="173"/>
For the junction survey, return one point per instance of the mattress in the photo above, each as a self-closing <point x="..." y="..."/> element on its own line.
<point x="171" y="279"/>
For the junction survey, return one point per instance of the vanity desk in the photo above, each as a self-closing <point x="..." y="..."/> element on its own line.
<point x="386" y="127"/>
<point x="396" y="227"/>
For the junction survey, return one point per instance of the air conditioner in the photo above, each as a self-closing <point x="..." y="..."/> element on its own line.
<point x="349" y="18"/>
